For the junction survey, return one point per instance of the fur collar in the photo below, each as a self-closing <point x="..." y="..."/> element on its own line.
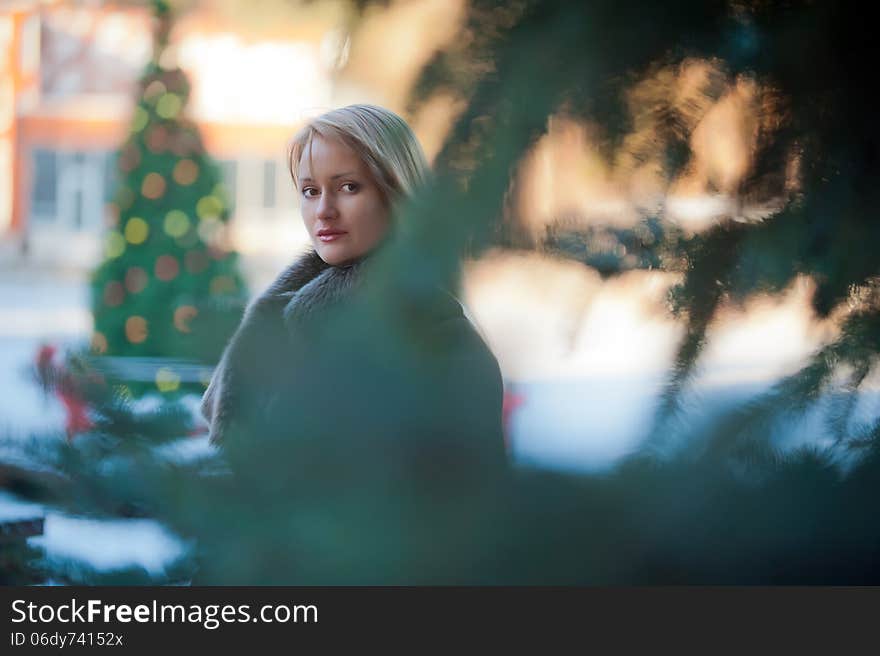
<point x="307" y="285"/>
<point x="326" y="287"/>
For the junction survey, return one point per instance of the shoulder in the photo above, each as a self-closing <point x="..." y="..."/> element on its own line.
<point x="467" y="345"/>
<point x="298" y="274"/>
<point x="470" y="381"/>
<point x="449" y="313"/>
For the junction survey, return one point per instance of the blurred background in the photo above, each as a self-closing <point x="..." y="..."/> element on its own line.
<point x="606" y="214"/>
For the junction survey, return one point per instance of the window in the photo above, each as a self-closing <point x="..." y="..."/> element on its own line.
<point x="269" y="174"/>
<point x="44" y="195"/>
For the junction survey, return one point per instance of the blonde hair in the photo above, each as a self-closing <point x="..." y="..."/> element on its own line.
<point x="382" y="140"/>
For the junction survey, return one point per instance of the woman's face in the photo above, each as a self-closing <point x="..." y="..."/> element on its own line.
<point x="342" y="207"/>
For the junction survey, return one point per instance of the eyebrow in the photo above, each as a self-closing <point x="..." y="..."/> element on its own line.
<point x="333" y="177"/>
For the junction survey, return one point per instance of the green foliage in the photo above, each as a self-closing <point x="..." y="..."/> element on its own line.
<point x="306" y="512"/>
<point x="527" y="61"/>
<point x="611" y="251"/>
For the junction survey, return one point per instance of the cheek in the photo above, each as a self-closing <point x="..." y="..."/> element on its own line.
<point x="306" y="214"/>
<point x="379" y="215"/>
<point x="375" y="229"/>
<point x="369" y="217"/>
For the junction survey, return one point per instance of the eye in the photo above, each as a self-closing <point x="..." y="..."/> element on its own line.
<point x="309" y="192"/>
<point x="350" y="186"/>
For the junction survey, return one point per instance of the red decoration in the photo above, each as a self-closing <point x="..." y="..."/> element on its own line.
<point x="182" y="316"/>
<point x="136" y="279"/>
<point x="511" y="402"/>
<point x="136" y="329"/>
<point x="185" y="143"/>
<point x="185" y="172"/>
<point x="111" y="215"/>
<point x="55" y="377"/>
<point x="153" y="186"/>
<point x="157" y="139"/>
<point x="114" y="293"/>
<point x="129" y="158"/>
<point x="217" y="252"/>
<point x="167" y="267"/>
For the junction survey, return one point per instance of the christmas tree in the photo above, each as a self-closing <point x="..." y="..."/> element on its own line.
<point x="169" y="285"/>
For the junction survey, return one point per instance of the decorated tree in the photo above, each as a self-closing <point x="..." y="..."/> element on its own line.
<point x="169" y="285"/>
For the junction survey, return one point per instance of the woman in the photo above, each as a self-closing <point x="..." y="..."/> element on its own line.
<point x="282" y="370"/>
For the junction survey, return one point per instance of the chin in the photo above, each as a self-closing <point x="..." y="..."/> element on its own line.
<point x="334" y="256"/>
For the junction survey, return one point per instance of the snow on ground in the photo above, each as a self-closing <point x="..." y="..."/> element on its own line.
<point x="13" y="509"/>
<point x="583" y="424"/>
<point x="103" y="544"/>
<point x="24" y="408"/>
<point x="110" y="544"/>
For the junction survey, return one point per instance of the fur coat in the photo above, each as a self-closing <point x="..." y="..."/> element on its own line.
<point x="452" y="382"/>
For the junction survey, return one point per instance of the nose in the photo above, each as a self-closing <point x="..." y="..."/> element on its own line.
<point x="327" y="207"/>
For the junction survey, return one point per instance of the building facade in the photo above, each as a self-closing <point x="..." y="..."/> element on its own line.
<point x="67" y="92"/>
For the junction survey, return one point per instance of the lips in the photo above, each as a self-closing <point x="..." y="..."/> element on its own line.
<point x="330" y="234"/>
